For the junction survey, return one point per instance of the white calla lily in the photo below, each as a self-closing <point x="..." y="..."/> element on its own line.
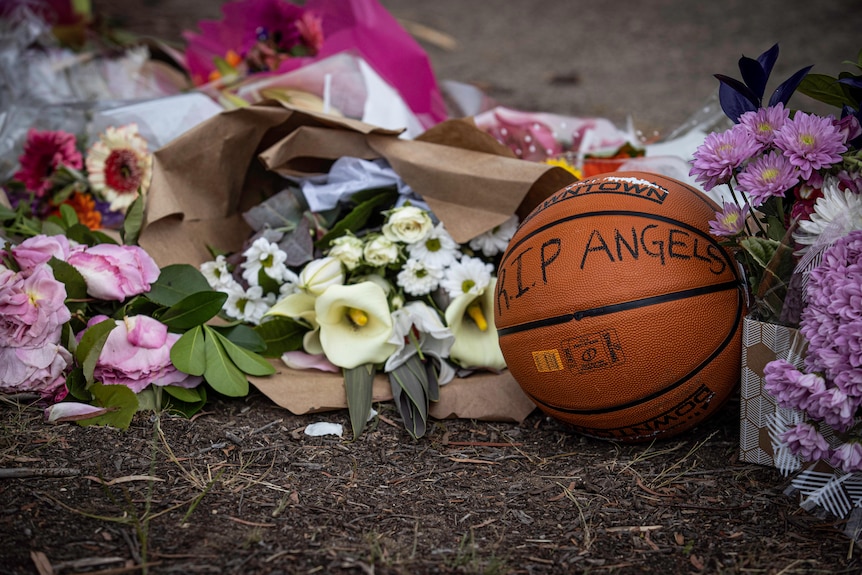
<point x="434" y="339"/>
<point x="355" y="324"/>
<point x="300" y="306"/>
<point x="471" y="318"/>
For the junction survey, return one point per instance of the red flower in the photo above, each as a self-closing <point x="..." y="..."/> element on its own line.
<point x="45" y="153"/>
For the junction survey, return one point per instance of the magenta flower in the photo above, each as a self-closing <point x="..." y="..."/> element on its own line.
<point x="764" y="122"/>
<point x="848" y="457"/>
<point x="45" y="153"/>
<point x="720" y="154"/>
<point x="728" y="222"/>
<point x="35" y="370"/>
<point x="32" y="308"/>
<point x="769" y="175"/>
<point x="115" y="272"/>
<point x="137" y="353"/>
<point x="790" y="387"/>
<point x="810" y="142"/>
<point x="805" y="441"/>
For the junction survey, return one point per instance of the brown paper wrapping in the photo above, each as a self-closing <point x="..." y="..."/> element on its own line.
<point x="205" y="179"/>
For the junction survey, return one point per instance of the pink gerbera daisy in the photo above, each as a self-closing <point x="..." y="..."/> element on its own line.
<point x="119" y="166"/>
<point x="810" y="142"/>
<point x="45" y="153"/>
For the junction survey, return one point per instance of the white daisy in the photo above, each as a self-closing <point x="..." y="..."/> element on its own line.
<point x="217" y="273"/>
<point x="496" y="240"/>
<point x="418" y="278"/>
<point x="437" y="249"/>
<point x="267" y="256"/>
<point x="469" y="275"/>
<point x="836" y="213"/>
<point x="248" y="305"/>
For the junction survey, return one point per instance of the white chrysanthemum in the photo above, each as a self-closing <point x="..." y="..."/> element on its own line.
<point x="438" y="249"/>
<point x="418" y="278"/>
<point x="248" y="305"/>
<point x="119" y="166"/>
<point x="496" y="240"/>
<point x="267" y="256"/>
<point x="469" y="275"/>
<point x="836" y="214"/>
<point x="217" y="273"/>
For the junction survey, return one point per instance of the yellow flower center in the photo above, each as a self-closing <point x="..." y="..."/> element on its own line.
<point x="769" y="174"/>
<point x="467" y="285"/>
<point x="357" y="317"/>
<point x="764" y="127"/>
<point x="730" y="219"/>
<point x="806" y="139"/>
<point x="474" y="310"/>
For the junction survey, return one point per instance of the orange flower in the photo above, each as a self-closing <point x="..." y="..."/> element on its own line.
<point x="85" y="207"/>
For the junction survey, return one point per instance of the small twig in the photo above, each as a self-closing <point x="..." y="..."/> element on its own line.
<point x="483" y="443"/>
<point x="22" y="472"/>
<point x="267" y="426"/>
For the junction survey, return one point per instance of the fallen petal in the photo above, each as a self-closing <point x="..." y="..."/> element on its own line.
<point x="72" y="411"/>
<point x="324" y="428"/>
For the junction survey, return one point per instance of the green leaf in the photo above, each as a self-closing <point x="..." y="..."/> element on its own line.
<point x="90" y="346"/>
<point x="76" y="383"/>
<point x="221" y="373"/>
<point x="280" y="334"/>
<point x="185" y="408"/>
<point x="68" y="216"/>
<point x="185" y="394"/>
<point x="192" y="310"/>
<point x="246" y="361"/>
<point x="824" y="89"/>
<point x="102" y="238"/>
<point x="409" y="383"/>
<point x="133" y="222"/>
<point x="76" y="287"/>
<point x="188" y="354"/>
<point x="243" y="336"/>
<point x="354" y="221"/>
<point x="176" y="282"/>
<point x="359" y="385"/>
<point x="121" y="402"/>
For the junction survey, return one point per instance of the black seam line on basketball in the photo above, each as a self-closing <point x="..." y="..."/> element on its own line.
<point x="617" y="307"/>
<point x="511" y="249"/>
<point x="677" y="383"/>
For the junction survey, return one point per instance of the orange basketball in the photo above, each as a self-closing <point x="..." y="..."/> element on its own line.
<point x="618" y="313"/>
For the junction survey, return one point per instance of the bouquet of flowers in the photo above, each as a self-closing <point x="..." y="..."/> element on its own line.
<point x="98" y="184"/>
<point x="794" y="217"/>
<point x="362" y="277"/>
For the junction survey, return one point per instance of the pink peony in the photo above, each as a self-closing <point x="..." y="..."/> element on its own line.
<point x="35" y="370"/>
<point x="137" y="353"/>
<point x="45" y="153"/>
<point x="115" y="272"/>
<point x="38" y="250"/>
<point x="32" y="308"/>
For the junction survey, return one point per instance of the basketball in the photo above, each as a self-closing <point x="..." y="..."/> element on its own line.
<point x="617" y="312"/>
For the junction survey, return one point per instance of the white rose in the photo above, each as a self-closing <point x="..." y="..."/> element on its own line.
<point x="381" y="251"/>
<point x="407" y="224"/>
<point x="348" y="250"/>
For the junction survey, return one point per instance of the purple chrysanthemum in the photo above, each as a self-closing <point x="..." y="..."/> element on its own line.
<point x="764" y="122"/>
<point x="790" y="387"/>
<point x="720" y="154"/>
<point x="832" y="320"/>
<point x="728" y="222"/>
<point x="769" y="175"/>
<point x="805" y="441"/>
<point x="810" y="142"/>
<point x="848" y="457"/>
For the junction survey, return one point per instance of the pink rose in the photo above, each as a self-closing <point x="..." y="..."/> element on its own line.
<point x="32" y="308"/>
<point x="115" y="272"/>
<point x="38" y="250"/>
<point x="137" y="353"/>
<point x="35" y="370"/>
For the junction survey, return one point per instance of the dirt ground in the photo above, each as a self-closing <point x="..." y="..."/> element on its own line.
<point x="240" y="489"/>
